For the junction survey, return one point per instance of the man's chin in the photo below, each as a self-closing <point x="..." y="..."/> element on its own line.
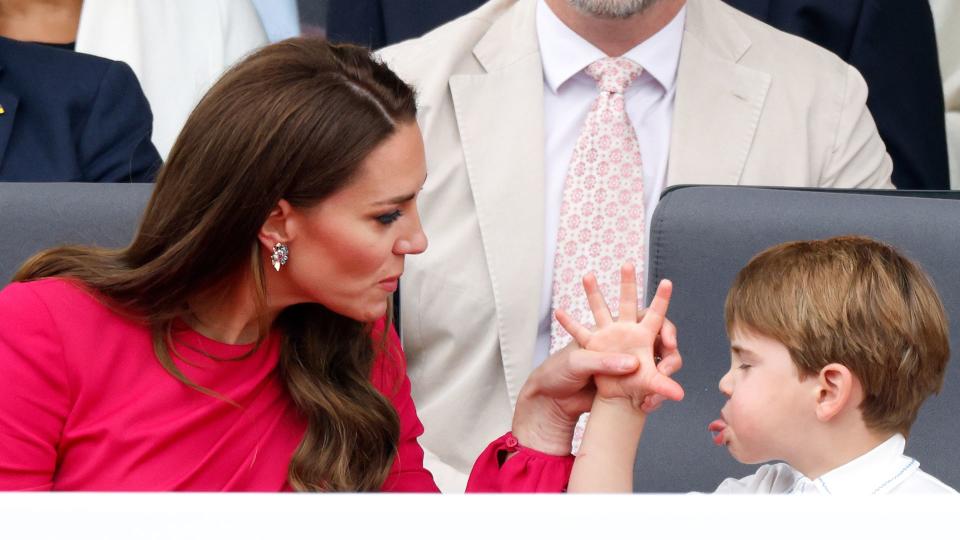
<point x="611" y="9"/>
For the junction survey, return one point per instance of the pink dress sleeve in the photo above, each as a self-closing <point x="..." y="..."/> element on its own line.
<point x="34" y="391"/>
<point x="527" y="471"/>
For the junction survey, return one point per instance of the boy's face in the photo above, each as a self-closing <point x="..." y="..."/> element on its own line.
<point x="768" y="409"/>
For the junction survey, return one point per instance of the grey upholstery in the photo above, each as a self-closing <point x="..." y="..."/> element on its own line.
<point x="702" y="236"/>
<point x="35" y="216"/>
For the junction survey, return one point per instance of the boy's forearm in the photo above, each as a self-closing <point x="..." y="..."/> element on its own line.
<point x="604" y="463"/>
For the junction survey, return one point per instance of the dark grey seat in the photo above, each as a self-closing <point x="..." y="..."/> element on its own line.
<point x="702" y="236"/>
<point x="36" y="216"/>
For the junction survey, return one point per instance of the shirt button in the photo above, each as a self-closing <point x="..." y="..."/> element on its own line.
<point x="512" y="442"/>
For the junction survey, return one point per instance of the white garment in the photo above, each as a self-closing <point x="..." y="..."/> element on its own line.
<point x="568" y="93"/>
<point x="177" y="48"/>
<point x="880" y="471"/>
<point x="946" y="19"/>
<point x="280" y="18"/>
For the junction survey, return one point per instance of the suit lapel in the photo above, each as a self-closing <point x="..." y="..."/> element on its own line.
<point x="718" y="101"/>
<point x="500" y="119"/>
<point x="9" y="103"/>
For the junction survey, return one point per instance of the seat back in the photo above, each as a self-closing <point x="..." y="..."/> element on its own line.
<point x="703" y="235"/>
<point x="36" y="216"/>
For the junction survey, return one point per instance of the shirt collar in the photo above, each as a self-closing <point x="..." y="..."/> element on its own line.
<point x="878" y="471"/>
<point x="564" y="53"/>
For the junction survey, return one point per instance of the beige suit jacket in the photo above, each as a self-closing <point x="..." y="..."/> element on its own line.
<point x="754" y="106"/>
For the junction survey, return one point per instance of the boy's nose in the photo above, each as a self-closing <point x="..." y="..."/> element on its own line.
<point x="725" y="385"/>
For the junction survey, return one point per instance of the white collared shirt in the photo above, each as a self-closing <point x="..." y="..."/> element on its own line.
<point x="880" y="471"/>
<point x="568" y="93"/>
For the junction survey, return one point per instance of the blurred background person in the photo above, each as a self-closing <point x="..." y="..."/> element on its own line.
<point x="313" y="17"/>
<point x="66" y="116"/>
<point x="177" y="48"/>
<point x="378" y="23"/>
<point x="280" y="18"/>
<point x="946" y="15"/>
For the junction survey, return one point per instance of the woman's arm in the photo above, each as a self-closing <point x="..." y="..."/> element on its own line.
<point x="34" y="391"/>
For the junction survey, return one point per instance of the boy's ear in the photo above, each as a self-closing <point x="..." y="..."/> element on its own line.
<point x="835" y="390"/>
<point x="279" y="225"/>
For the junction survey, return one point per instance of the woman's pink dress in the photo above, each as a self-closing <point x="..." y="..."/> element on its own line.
<point x="86" y="405"/>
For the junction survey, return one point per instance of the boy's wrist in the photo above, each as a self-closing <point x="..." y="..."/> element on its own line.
<point x="614" y="423"/>
<point x="619" y="404"/>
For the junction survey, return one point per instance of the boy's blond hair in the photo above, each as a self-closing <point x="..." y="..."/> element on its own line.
<point x="853" y="301"/>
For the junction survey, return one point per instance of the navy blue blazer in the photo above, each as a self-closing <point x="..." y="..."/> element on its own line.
<point x="71" y="117"/>
<point x="378" y="23"/>
<point x="891" y="43"/>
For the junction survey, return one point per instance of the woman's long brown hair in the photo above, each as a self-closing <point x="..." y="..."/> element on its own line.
<point x="293" y="121"/>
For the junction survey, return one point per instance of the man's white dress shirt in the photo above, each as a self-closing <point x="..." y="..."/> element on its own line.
<point x="882" y="470"/>
<point x="568" y="93"/>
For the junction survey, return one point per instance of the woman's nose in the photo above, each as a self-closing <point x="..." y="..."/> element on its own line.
<point x="413" y="242"/>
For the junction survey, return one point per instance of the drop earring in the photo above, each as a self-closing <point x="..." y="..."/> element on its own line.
<point x="280" y="255"/>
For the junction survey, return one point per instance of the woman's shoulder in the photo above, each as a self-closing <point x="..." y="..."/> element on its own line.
<point x="54" y="296"/>
<point x="48" y="288"/>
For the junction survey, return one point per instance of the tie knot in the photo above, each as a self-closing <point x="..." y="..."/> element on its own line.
<point x="614" y="74"/>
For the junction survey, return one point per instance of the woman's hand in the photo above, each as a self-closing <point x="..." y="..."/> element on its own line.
<point x="558" y="392"/>
<point x="648" y="386"/>
<point x="562" y="388"/>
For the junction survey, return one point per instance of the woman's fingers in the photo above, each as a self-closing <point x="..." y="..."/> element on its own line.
<point x="598" y="306"/>
<point x="628" y="294"/>
<point x="569" y="371"/>
<point x="586" y="364"/>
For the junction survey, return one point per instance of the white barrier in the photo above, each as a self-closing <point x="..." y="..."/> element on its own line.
<point x="585" y="517"/>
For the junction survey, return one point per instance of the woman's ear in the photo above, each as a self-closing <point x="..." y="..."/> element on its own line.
<point x="835" y="391"/>
<point x="278" y="227"/>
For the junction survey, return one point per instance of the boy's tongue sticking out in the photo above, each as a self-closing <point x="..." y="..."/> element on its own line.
<point x="717" y="427"/>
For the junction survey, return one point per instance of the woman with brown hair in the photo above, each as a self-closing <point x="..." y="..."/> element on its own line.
<point x="260" y="278"/>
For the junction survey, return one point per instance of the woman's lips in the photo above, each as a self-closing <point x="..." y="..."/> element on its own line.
<point x="390" y="284"/>
<point x="717" y="427"/>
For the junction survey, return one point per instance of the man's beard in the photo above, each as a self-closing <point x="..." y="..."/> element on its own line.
<point x="612" y="9"/>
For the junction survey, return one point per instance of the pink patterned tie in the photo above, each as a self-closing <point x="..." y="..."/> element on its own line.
<point x="601" y="216"/>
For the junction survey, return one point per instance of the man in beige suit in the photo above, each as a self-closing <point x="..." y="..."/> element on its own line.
<point x="723" y="99"/>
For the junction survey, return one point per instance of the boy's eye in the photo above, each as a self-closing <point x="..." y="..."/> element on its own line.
<point x="387" y="219"/>
<point x="744" y="366"/>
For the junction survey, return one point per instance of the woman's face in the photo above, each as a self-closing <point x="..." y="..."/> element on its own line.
<point x="347" y="251"/>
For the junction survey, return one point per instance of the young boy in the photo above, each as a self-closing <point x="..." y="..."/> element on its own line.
<point x="835" y="344"/>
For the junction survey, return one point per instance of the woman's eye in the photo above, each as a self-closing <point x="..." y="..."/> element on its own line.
<point x="387" y="219"/>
